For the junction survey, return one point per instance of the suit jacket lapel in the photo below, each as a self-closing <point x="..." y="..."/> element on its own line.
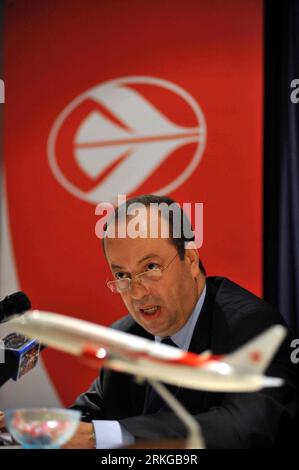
<point x="201" y="338"/>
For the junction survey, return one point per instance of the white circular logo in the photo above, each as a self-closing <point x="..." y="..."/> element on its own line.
<point x="118" y="135"/>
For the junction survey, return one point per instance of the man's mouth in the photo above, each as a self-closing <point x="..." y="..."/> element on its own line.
<point x="150" y="311"/>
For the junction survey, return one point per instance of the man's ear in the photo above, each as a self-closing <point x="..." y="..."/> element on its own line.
<point x="192" y="259"/>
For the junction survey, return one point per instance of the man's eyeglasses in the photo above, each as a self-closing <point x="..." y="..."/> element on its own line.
<point x="146" y="278"/>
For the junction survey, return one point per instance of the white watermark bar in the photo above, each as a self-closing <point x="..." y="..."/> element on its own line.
<point x="144" y="221"/>
<point x="2" y="352"/>
<point x="2" y="91"/>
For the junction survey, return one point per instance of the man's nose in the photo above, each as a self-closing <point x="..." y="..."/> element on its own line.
<point x="138" y="289"/>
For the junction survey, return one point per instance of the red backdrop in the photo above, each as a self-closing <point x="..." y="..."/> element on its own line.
<point x="55" y="53"/>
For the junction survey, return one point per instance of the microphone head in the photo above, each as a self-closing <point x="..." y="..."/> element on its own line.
<point x="19" y="302"/>
<point x="14" y="304"/>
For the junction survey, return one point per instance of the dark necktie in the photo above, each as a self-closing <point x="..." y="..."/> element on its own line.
<point x="168" y="340"/>
<point x="153" y="402"/>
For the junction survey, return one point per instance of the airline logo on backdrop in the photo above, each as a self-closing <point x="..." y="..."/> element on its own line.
<point x="126" y="135"/>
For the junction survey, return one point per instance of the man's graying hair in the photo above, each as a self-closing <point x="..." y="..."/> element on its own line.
<point x="180" y="228"/>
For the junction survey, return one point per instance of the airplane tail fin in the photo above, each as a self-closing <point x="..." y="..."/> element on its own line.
<point x="255" y="355"/>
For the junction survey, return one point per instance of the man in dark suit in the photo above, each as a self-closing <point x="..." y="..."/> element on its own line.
<point x="164" y="287"/>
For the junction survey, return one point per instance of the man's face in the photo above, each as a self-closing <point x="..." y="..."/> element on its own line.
<point x="164" y="306"/>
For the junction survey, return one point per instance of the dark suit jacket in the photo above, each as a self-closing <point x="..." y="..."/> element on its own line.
<point x="230" y="316"/>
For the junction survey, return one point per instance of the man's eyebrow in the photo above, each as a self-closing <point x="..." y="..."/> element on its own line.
<point x="144" y="258"/>
<point x="116" y="266"/>
<point x="150" y="255"/>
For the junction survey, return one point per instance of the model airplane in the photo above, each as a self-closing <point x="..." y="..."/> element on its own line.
<point x="240" y="371"/>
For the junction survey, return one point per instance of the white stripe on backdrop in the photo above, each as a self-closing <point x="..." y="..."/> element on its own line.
<point x="35" y="389"/>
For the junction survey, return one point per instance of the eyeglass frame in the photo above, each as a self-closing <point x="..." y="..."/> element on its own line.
<point x="131" y="279"/>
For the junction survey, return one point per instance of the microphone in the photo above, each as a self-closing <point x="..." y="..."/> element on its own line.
<point x="18" y="355"/>
<point x="13" y="304"/>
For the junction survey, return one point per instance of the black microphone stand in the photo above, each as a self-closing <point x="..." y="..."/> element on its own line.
<point x="7" y="367"/>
